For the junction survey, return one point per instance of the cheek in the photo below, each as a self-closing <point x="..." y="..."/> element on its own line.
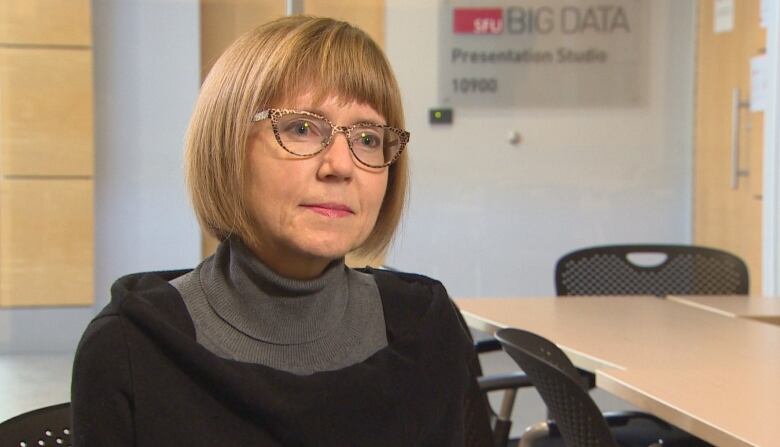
<point x="263" y="187"/>
<point x="377" y="189"/>
<point x="269" y="193"/>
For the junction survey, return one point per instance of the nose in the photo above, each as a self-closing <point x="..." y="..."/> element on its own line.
<point x="337" y="159"/>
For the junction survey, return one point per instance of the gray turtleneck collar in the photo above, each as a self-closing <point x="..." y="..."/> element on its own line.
<point x="244" y="311"/>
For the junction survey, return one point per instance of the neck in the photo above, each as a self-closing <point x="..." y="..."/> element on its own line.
<point x="264" y="305"/>
<point x="292" y="267"/>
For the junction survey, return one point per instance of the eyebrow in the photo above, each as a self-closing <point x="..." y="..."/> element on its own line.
<point x="358" y="121"/>
<point x="312" y="110"/>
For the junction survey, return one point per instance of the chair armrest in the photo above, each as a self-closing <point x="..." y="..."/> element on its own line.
<point x="513" y="380"/>
<point x="487" y="345"/>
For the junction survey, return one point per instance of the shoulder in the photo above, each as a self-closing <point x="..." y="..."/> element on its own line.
<point x="143" y="283"/>
<point x="142" y="305"/>
<point x="414" y="302"/>
<point x="145" y="297"/>
<point x="409" y="290"/>
<point x="393" y="281"/>
<point x="137" y="300"/>
<point x="104" y="332"/>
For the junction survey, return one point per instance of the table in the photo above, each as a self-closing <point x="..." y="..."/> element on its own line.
<point x="761" y="308"/>
<point x="715" y="376"/>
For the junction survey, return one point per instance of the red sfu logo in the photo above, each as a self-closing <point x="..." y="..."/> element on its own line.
<point x="478" y="20"/>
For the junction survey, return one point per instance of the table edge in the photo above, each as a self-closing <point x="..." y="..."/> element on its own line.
<point x="668" y="412"/>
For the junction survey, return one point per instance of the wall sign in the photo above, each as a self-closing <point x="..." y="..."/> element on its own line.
<point x="723" y="16"/>
<point x="542" y="53"/>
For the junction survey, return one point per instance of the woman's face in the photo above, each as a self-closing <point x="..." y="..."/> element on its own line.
<point x="310" y="211"/>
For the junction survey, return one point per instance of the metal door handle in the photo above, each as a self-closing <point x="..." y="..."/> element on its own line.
<point x="736" y="105"/>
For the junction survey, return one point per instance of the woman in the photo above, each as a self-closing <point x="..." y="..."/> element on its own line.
<point x="295" y="157"/>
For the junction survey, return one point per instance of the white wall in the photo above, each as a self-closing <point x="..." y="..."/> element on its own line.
<point x="488" y="218"/>
<point x="147" y="76"/>
<point x="146" y="65"/>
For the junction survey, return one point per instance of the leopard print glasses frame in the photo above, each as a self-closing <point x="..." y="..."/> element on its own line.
<point x="306" y="134"/>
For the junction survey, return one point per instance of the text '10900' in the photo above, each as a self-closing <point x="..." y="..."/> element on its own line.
<point x="475" y="85"/>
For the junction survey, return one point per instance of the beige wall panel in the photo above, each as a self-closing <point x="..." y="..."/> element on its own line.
<point x="45" y="22"/>
<point x="222" y="21"/>
<point x="46" y="242"/>
<point x="367" y="15"/>
<point x="47" y="112"/>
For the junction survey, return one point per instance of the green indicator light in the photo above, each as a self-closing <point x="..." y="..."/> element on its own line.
<point x="437" y="116"/>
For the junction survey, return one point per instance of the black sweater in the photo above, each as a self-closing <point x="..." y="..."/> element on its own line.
<point x="140" y="378"/>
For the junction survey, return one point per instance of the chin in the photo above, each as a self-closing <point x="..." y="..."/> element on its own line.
<point x="329" y="249"/>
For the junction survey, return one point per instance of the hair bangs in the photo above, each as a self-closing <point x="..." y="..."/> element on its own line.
<point x="340" y="62"/>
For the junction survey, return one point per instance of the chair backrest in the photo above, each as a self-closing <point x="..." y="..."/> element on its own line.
<point x="48" y="426"/>
<point x="684" y="270"/>
<point x="579" y="420"/>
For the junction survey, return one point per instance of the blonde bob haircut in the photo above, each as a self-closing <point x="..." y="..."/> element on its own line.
<point x="264" y="67"/>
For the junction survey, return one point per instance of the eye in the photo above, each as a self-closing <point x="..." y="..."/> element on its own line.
<point x="368" y="139"/>
<point x="300" y="128"/>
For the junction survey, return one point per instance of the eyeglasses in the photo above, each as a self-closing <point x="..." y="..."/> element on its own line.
<point x="306" y="134"/>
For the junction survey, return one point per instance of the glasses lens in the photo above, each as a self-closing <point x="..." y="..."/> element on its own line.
<point x="302" y="134"/>
<point x="374" y="145"/>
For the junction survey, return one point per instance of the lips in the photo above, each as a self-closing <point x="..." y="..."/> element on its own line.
<point x="330" y="209"/>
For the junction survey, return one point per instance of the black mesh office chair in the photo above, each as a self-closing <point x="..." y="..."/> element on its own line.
<point x="683" y="270"/>
<point x="48" y="426"/>
<point x="576" y="420"/>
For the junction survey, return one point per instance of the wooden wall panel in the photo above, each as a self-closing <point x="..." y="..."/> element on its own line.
<point x="366" y="15"/>
<point x="46" y="153"/>
<point x="222" y="21"/>
<point x="45" y="22"/>
<point x="46" y="107"/>
<point x="46" y="242"/>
